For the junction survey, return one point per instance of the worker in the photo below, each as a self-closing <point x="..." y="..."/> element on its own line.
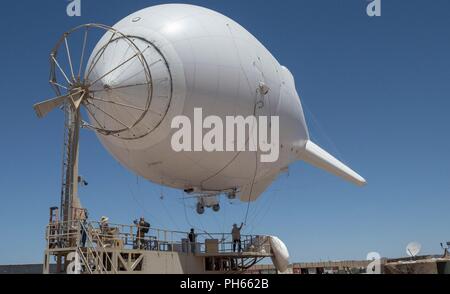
<point x="192" y="238"/>
<point x="83" y="224"/>
<point x="236" y="235"/>
<point x="104" y="230"/>
<point x="143" y="228"/>
<point x="104" y="226"/>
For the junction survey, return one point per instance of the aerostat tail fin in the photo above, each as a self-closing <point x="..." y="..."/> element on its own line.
<point x="320" y="158"/>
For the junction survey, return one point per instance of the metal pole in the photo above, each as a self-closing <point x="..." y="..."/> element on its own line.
<point x="69" y="199"/>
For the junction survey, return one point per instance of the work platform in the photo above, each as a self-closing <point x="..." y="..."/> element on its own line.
<point x="87" y="247"/>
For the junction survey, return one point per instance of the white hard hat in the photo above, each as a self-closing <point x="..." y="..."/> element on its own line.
<point x="104" y="219"/>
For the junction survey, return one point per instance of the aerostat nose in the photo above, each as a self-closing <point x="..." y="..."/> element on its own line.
<point x="128" y="82"/>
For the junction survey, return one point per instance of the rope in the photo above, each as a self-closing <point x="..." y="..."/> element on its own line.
<point x="251" y="188"/>
<point x="317" y="124"/>
<point x="167" y="210"/>
<point x="142" y="207"/>
<point x="256" y="221"/>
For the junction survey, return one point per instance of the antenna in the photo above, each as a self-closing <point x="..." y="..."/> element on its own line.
<point x="413" y="249"/>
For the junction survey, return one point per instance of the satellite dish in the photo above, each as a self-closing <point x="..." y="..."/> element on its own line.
<point x="413" y="249"/>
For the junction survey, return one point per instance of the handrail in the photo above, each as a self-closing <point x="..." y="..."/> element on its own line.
<point x="68" y="235"/>
<point x="156" y="240"/>
<point x="85" y="260"/>
<point x="88" y="231"/>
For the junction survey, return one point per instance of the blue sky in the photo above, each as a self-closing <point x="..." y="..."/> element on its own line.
<point x="375" y="92"/>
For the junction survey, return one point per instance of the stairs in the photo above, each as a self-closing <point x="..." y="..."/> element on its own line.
<point x="94" y="257"/>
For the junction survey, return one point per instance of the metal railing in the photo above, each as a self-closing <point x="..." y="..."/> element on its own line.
<point x="96" y="259"/>
<point x="81" y="237"/>
<point x="248" y="243"/>
<point x="62" y="235"/>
